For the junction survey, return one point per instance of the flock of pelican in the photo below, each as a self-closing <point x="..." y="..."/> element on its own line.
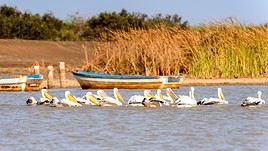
<point x="146" y="100"/>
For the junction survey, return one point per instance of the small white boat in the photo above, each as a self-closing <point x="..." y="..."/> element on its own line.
<point x="21" y="83"/>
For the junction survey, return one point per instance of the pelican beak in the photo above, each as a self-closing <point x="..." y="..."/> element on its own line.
<point x="93" y="100"/>
<point x="171" y="94"/>
<point x="222" y="96"/>
<point x="48" y="96"/>
<point x="72" y="98"/>
<point x="119" y="96"/>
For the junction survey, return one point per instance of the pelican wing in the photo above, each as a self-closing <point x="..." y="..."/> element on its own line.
<point x="112" y="101"/>
<point x="185" y="100"/>
<point x="210" y="101"/>
<point x="136" y="99"/>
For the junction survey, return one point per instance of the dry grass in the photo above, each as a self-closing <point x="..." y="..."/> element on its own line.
<point x="218" y="50"/>
<point x="148" y="52"/>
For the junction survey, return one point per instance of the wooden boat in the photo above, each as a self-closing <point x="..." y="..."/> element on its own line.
<point x="21" y="83"/>
<point x="93" y="80"/>
<point x="34" y="82"/>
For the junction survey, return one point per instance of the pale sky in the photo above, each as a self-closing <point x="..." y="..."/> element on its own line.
<point x="195" y="11"/>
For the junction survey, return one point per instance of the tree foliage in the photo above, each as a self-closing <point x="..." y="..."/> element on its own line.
<point x="25" y="25"/>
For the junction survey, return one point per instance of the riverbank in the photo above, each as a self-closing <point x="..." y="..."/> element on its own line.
<point x="17" y="57"/>
<point x="241" y="81"/>
<point x="72" y="83"/>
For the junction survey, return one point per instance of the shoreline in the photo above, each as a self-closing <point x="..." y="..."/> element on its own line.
<point x="239" y="81"/>
<point x="14" y="62"/>
<point x="73" y="83"/>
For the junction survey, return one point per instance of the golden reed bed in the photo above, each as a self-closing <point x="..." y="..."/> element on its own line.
<point x="217" y="50"/>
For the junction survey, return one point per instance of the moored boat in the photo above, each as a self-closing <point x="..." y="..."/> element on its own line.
<point x="93" y="80"/>
<point x="34" y="82"/>
<point x="21" y="83"/>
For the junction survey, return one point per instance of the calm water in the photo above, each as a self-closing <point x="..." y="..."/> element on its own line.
<point x="222" y="127"/>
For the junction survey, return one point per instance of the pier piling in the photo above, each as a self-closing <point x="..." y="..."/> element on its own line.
<point x="50" y="77"/>
<point x="62" y="74"/>
<point x="36" y="69"/>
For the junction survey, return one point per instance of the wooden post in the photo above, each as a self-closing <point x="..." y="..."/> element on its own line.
<point x="62" y="74"/>
<point x="50" y="77"/>
<point x="36" y="69"/>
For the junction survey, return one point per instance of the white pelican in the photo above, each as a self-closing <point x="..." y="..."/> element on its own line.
<point x="46" y="95"/>
<point x="186" y="101"/>
<point x="93" y="99"/>
<point x="151" y="100"/>
<point x="167" y="100"/>
<point x="211" y="101"/>
<point x="44" y="100"/>
<point x="136" y="100"/>
<point x="70" y="100"/>
<point x="252" y="101"/>
<point x="109" y="101"/>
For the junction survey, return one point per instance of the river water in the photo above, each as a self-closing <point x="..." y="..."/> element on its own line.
<point x="220" y="127"/>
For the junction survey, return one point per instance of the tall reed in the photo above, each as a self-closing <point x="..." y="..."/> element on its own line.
<point x="218" y="50"/>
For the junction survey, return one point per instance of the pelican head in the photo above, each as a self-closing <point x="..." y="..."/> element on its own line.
<point x="102" y="94"/>
<point x="31" y="101"/>
<point x="192" y="89"/>
<point x="67" y="93"/>
<point x="259" y="93"/>
<point x="171" y="94"/>
<point x="118" y="96"/>
<point x="220" y="94"/>
<point x="43" y="90"/>
<point x="92" y="99"/>
<point x="148" y="94"/>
